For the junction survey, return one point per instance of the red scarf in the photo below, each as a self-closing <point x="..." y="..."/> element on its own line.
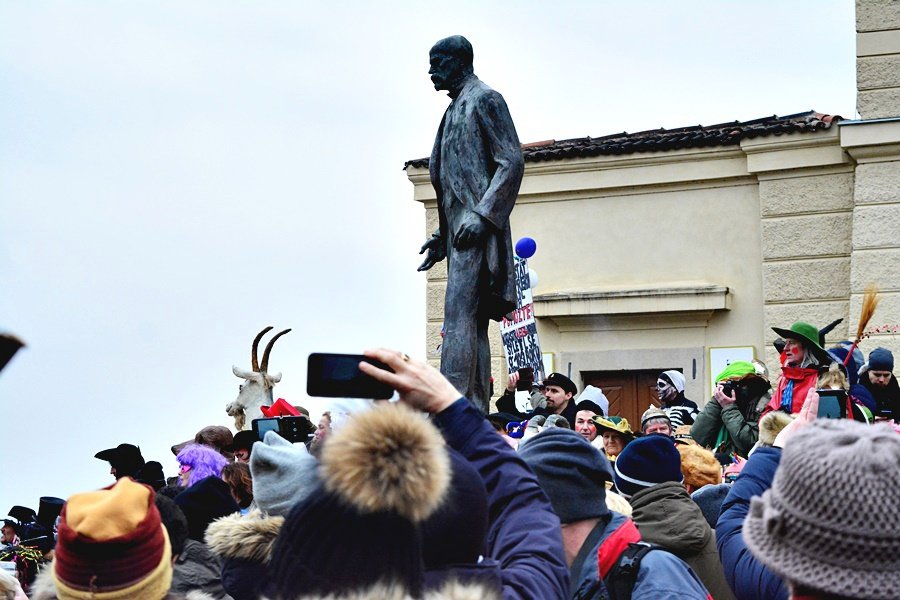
<point x="804" y="380"/>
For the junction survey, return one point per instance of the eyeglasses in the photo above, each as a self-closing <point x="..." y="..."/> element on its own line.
<point x="184" y="469"/>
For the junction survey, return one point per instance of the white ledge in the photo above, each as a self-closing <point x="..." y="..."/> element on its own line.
<point x="664" y="299"/>
<point x="872" y="139"/>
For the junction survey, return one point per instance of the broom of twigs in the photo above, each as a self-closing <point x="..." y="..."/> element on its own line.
<point x="869" y="303"/>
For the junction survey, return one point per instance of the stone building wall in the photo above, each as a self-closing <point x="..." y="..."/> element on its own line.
<point x="807" y="224"/>
<point x="874" y="144"/>
<point x="878" y="59"/>
<point x="875" y="255"/>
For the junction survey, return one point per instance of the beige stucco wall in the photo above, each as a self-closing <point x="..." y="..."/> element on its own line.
<point x="647" y="237"/>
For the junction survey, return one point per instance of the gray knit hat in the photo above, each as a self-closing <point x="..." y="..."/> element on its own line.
<point x="571" y="472"/>
<point x="830" y="521"/>
<point x="283" y="474"/>
<point x="710" y="498"/>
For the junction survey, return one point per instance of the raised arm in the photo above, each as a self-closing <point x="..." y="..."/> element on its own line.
<point x="524" y="533"/>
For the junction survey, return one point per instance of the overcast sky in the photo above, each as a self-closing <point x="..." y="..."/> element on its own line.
<point x="175" y="176"/>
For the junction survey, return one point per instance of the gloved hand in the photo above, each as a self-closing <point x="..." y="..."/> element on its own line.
<point x="557" y="421"/>
<point x="535" y="424"/>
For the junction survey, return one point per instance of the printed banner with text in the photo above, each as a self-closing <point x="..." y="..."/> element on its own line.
<point x="519" y="329"/>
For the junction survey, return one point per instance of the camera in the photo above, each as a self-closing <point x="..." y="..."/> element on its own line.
<point x="729" y="388"/>
<point x="293" y="429"/>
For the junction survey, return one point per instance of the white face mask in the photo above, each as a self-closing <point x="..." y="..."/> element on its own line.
<point x="664" y="389"/>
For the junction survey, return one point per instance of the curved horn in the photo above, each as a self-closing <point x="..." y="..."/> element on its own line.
<point x="265" y="360"/>
<point x="254" y="364"/>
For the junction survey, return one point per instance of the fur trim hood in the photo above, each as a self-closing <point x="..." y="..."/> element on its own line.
<point x="771" y="425"/>
<point x="44" y="588"/>
<point x="452" y="590"/>
<point x="250" y="537"/>
<point x="9" y="587"/>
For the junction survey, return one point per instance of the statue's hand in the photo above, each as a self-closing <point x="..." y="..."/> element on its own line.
<point x="470" y="232"/>
<point x="436" y="252"/>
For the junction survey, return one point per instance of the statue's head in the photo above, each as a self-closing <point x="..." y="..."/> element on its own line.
<point x="451" y="62"/>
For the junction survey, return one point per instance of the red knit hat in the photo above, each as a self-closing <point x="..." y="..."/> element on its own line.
<point x="112" y="545"/>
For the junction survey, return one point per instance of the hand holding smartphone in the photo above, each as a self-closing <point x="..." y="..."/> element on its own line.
<point x="338" y="376"/>
<point x="526" y="379"/>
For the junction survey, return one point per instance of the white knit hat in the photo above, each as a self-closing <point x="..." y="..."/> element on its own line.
<point x="595" y="395"/>
<point x="677" y="379"/>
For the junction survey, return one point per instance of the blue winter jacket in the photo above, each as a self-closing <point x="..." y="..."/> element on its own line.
<point x="662" y="575"/>
<point x="524" y="535"/>
<point x="748" y="578"/>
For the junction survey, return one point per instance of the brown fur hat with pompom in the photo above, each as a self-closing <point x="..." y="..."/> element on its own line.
<point x="382" y="473"/>
<point x="388" y="459"/>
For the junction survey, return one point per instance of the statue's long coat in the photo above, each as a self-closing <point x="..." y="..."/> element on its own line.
<point x="477" y="160"/>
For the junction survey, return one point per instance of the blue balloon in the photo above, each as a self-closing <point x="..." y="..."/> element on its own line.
<point x="526" y="247"/>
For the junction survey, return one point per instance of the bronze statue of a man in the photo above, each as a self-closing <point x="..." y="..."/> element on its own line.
<point x="476" y="168"/>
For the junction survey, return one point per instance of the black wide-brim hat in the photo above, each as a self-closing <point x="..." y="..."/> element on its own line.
<point x="808" y="335"/>
<point x="22" y="514"/>
<point x="128" y="454"/>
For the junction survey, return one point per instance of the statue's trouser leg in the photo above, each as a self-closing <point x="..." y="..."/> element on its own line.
<point x="461" y="351"/>
<point x="482" y="394"/>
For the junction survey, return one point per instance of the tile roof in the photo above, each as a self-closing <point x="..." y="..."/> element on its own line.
<point x="659" y="140"/>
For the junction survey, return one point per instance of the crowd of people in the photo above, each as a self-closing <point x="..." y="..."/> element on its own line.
<point x="753" y="495"/>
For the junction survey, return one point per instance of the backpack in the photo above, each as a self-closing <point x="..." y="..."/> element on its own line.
<point x="618" y="562"/>
<point x="620" y="581"/>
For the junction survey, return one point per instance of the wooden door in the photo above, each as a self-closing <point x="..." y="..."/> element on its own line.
<point x="630" y="393"/>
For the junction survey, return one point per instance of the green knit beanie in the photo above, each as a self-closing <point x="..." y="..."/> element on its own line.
<point x="738" y="368"/>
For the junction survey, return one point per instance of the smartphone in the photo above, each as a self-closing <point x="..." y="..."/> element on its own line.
<point x="526" y="379"/>
<point x="338" y="376"/>
<point x="832" y="404"/>
<point x="262" y="426"/>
